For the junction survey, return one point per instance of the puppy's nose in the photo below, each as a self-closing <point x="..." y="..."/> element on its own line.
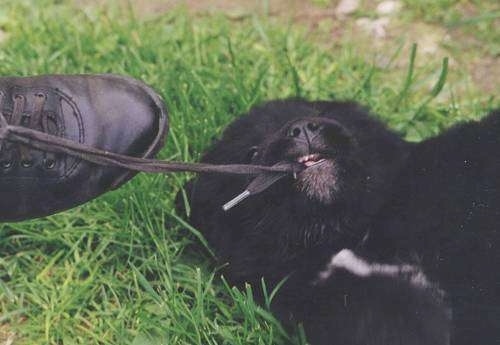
<point x="303" y="129"/>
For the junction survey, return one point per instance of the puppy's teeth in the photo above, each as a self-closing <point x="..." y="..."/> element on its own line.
<point x="311" y="158"/>
<point x="313" y="163"/>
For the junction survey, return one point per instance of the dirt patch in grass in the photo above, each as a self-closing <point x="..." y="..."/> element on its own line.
<point x="6" y="336"/>
<point x="232" y="8"/>
<point x="380" y="27"/>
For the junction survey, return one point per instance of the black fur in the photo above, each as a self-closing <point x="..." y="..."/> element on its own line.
<point x="407" y="205"/>
<point x="445" y="209"/>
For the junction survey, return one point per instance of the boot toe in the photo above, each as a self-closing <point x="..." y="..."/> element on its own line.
<point x="109" y="112"/>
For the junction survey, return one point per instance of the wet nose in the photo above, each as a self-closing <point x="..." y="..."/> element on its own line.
<point x="303" y="129"/>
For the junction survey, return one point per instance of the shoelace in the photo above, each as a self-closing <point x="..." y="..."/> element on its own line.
<point x="37" y="119"/>
<point x="44" y="141"/>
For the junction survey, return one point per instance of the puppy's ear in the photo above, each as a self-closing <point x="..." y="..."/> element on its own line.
<point x="183" y="199"/>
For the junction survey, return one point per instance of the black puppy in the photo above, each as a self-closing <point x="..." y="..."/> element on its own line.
<point x="361" y="200"/>
<point x="445" y="208"/>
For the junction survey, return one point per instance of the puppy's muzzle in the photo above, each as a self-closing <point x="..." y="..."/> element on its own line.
<point x="304" y="130"/>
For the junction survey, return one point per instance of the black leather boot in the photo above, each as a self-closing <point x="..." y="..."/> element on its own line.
<point x="112" y="113"/>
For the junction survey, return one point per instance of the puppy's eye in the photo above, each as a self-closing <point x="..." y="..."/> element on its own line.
<point x="252" y="154"/>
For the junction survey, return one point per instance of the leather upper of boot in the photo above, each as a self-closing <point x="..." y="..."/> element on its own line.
<point x="113" y="113"/>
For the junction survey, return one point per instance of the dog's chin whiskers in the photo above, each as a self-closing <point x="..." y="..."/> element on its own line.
<point x="319" y="182"/>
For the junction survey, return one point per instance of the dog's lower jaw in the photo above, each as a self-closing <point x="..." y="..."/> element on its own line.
<point x="319" y="182"/>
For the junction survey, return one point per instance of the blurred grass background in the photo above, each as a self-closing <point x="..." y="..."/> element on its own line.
<point x="119" y="270"/>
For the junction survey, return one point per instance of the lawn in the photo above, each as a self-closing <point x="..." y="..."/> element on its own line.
<point x="121" y="269"/>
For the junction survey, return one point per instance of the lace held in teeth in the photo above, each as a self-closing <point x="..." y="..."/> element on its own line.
<point x="48" y="142"/>
<point x="37" y="120"/>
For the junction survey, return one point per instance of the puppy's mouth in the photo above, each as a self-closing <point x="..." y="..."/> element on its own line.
<point x="310" y="160"/>
<point x="315" y="182"/>
<point x="318" y="180"/>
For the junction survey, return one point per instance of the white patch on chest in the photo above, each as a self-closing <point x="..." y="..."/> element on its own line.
<point x="350" y="262"/>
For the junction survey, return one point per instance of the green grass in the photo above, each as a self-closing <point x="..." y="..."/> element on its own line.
<point x="120" y="269"/>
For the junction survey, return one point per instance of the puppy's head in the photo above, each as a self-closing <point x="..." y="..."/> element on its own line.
<point x="348" y="157"/>
<point x="322" y="146"/>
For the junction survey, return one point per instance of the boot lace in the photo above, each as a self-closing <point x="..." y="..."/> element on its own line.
<point x="12" y="154"/>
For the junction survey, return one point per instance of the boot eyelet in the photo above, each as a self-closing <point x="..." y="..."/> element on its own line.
<point x="28" y="163"/>
<point x="6" y="165"/>
<point x="49" y="163"/>
<point x="312" y="126"/>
